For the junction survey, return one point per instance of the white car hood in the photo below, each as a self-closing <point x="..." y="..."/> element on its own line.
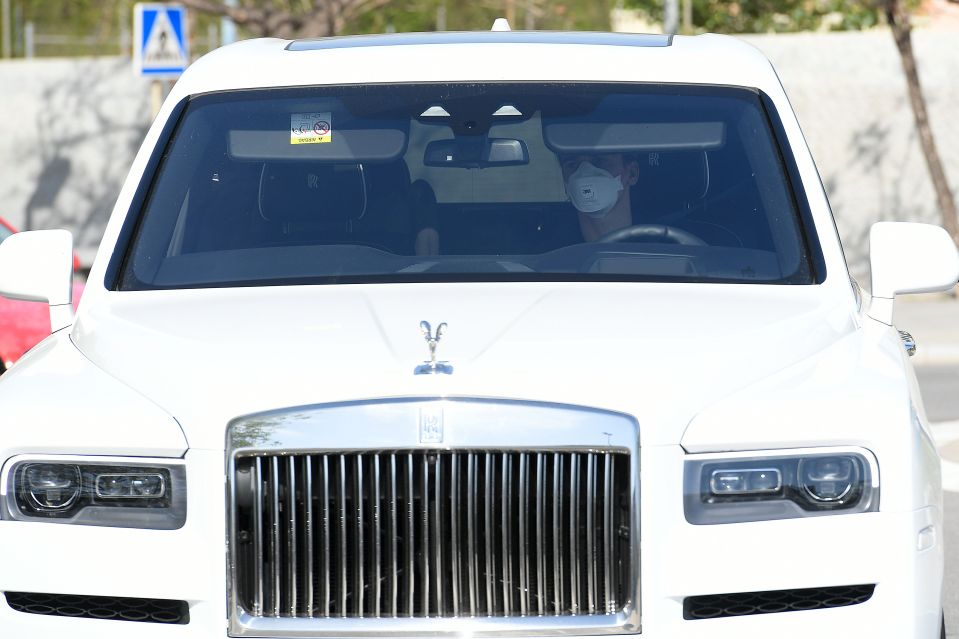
<point x="660" y="352"/>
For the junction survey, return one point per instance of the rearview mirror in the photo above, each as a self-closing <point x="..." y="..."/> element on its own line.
<point x="476" y="152"/>
<point x="907" y="257"/>
<point x="37" y="266"/>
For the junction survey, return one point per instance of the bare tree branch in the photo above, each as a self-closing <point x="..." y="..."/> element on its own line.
<point x="299" y="18"/>
<point x="897" y="16"/>
<point x="240" y="15"/>
<point x="249" y="17"/>
<point x="354" y="8"/>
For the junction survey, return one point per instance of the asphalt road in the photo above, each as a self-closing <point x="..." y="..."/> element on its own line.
<point x="939" y="384"/>
<point x="951" y="597"/>
<point x="940" y="392"/>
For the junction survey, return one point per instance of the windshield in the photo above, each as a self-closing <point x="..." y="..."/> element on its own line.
<point x="470" y="182"/>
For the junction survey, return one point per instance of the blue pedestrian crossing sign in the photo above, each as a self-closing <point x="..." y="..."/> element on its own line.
<point x="161" y="48"/>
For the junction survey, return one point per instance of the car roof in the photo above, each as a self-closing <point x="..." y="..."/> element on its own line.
<point x="494" y="56"/>
<point x="483" y="37"/>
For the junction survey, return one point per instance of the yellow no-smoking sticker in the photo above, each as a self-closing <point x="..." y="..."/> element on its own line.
<point x="311" y="128"/>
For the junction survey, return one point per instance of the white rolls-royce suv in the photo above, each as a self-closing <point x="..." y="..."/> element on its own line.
<point x="504" y="334"/>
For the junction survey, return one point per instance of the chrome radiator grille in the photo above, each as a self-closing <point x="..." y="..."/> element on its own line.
<point x="432" y="534"/>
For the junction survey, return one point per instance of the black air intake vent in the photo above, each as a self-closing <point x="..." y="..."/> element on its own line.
<point x="166" y="611"/>
<point x="761" y="603"/>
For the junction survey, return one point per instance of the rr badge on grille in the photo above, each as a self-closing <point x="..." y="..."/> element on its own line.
<point x="431" y="425"/>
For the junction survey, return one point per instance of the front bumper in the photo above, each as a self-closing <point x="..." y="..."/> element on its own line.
<point x="678" y="561"/>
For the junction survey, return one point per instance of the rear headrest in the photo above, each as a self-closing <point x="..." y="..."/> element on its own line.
<point x="423" y="201"/>
<point x="422" y="194"/>
<point x="391" y="180"/>
<point x="328" y="194"/>
<point x="670" y="182"/>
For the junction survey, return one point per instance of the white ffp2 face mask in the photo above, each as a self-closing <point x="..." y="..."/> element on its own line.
<point x="592" y="190"/>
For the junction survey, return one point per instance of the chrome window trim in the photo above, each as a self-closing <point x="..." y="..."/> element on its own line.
<point x="469" y="423"/>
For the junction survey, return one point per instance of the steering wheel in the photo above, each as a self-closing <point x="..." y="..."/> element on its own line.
<point x="660" y="232"/>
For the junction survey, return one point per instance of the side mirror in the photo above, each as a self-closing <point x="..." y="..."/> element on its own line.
<point x="37" y="266"/>
<point x="907" y="257"/>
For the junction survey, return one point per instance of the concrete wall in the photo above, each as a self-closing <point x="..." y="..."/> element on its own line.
<point x="69" y="129"/>
<point x="850" y="95"/>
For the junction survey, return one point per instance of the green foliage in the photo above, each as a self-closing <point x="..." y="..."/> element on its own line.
<point x="96" y="27"/>
<point x="87" y="27"/>
<point x="77" y="16"/>
<point x="425" y="15"/>
<point x="759" y="16"/>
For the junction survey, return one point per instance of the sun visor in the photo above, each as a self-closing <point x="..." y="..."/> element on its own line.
<point x="569" y="138"/>
<point x="322" y="136"/>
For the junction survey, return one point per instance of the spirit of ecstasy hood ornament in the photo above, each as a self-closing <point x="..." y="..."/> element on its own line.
<point x="433" y="367"/>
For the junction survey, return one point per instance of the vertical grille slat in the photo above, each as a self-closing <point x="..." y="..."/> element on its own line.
<point x="277" y="560"/>
<point x="522" y="485"/>
<point x="425" y="538"/>
<point x="410" y="541"/>
<point x="360" y="547"/>
<point x="291" y="535"/>
<point x="376" y="534"/>
<point x="559" y="482"/>
<point x="438" y="565"/>
<point x="325" y="531"/>
<point x="609" y="532"/>
<point x="574" y="541"/>
<point x="489" y="535"/>
<point x="258" y="608"/>
<point x="541" y="534"/>
<point x="455" y="531"/>
<point x="393" y="545"/>
<point x="471" y="550"/>
<point x="506" y="534"/>
<point x="308" y="527"/>
<point x="343" y="574"/>
<point x="438" y="533"/>
<point x="591" y="532"/>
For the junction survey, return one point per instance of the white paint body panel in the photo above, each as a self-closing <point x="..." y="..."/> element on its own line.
<point x="702" y="368"/>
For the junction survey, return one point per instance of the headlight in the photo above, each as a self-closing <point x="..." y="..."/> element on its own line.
<point x="96" y="492"/>
<point x="723" y="489"/>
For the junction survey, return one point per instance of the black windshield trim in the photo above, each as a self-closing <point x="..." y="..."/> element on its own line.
<point x="797" y="191"/>
<point x="135" y="213"/>
<point x="468" y="278"/>
<point x="131" y="226"/>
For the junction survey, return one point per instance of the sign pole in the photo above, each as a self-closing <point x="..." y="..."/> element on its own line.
<point x="161" y="46"/>
<point x="7" y="29"/>
<point x="156" y="98"/>
<point x="671" y="16"/>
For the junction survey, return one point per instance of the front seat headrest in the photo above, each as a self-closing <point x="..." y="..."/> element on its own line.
<point x="670" y="182"/>
<point x="315" y="194"/>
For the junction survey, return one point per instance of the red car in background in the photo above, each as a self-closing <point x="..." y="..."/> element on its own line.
<point x="24" y="324"/>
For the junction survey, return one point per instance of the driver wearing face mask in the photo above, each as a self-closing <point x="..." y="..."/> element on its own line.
<point x="598" y="187"/>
